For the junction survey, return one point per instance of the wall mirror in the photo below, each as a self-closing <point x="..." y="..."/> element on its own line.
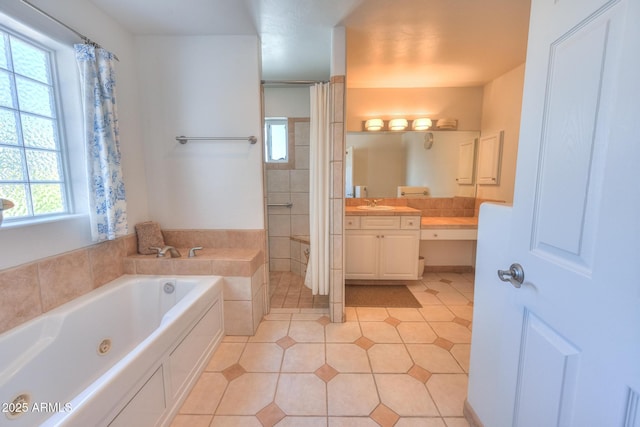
<point x="377" y="163"/>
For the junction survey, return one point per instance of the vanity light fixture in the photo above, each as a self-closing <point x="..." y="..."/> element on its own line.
<point x="398" y="124"/>
<point x="423" y="123"/>
<point x="373" y="124"/>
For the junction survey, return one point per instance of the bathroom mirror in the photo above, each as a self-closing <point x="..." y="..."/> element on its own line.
<point x="382" y="161"/>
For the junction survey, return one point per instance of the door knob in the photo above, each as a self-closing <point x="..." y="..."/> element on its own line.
<point x="515" y="275"/>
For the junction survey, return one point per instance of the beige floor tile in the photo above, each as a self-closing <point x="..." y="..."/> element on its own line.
<point x="303" y="422"/>
<point x="235" y="338"/>
<point x="352" y="395"/>
<point x="406" y="314"/>
<point x="439" y="313"/>
<point x="262" y="357"/>
<point x="343" y="332"/>
<point x="405" y="395"/>
<point x="463" y="286"/>
<point x="380" y="332"/>
<point x="366" y="314"/>
<point x="439" y="286"/>
<point x="348" y="358"/>
<point x="306" y="331"/>
<point x="191" y="421"/>
<point x="278" y="316"/>
<point x="270" y="331"/>
<point x="352" y="422"/>
<point x="205" y="395"/>
<point x="433" y="358"/>
<point x="235" y="421"/>
<point x="426" y="298"/>
<point x="449" y="392"/>
<point x="454" y="277"/>
<point x="451" y="331"/>
<point x="456" y="422"/>
<point x="226" y="354"/>
<point x="462" y="353"/>
<point x="303" y="357"/>
<point x="389" y="358"/>
<point x="420" y="422"/>
<point x="350" y="314"/>
<point x="248" y="394"/>
<point x="462" y="311"/>
<point x="302" y="394"/>
<point x="416" y="332"/>
<point x="452" y="298"/>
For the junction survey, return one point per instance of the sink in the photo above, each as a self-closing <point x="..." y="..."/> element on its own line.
<point x="375" y="208"/>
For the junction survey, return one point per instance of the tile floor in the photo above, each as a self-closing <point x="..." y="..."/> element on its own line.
<point x="287" y="290"/>
<point x="382" y="367"/>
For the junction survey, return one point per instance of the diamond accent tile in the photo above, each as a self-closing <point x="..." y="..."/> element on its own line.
<point x="324" y="320"/>
<point x="447" y="281"/>
<point x="286" y="342"/>
<point x="384" y="416"/>
<point x="392" y="321"/>
<point x="364" y="342"/>
<point x="326" y="372"/>
<point x="461" y="321"/>
<point x="419" y="373"/>
<point x="443" y="343"/>
<point x="234" y="371"/>
<point x="431" y="291"/>
<point x="270" y="415"/>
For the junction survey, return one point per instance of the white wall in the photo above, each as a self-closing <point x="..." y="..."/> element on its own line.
<point x="501" y="107"/>
<point x="287" y="102"/>
<point x="202" y="86"/>
<point x="24" y="244"/>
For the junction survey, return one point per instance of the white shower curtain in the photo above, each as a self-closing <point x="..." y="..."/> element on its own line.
<point x="318" y="270"/>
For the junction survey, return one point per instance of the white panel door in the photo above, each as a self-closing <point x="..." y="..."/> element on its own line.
<point x="564" y="348"/>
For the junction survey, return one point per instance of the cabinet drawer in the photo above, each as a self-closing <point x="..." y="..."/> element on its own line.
<point x="380" y="222"/>
<point x="449" y="234"/>
<point x="410" y="222"/>
<point x="351" y="222"/>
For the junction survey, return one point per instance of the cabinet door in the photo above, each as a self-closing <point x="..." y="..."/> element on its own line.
<point x="399" y="252"/>
<point x="361" y="254"/>
<point x="466" y="157"/>
<point x="489" y="159"/>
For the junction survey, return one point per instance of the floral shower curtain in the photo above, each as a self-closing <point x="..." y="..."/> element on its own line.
<point x="318" y="271"/>
<point x="108" y="210"/>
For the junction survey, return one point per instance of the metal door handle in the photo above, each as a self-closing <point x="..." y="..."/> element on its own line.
<point x="515" y="275"/>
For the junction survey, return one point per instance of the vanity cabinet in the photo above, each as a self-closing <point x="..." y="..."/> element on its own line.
<point x="382" y="247"/>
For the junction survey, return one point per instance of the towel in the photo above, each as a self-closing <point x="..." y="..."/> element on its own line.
<point x="149" y="235"/>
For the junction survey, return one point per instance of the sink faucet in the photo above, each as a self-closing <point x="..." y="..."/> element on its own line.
<point x="374" y="202"/>
<point x="162" y="252"/>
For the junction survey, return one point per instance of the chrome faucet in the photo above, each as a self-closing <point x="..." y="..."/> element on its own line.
<point x="162" y="252"/>
<point x="192" y="251"/>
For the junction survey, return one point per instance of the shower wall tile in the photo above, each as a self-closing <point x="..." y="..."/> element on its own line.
<point x="279" y="225"/>
<point x="337" y="187"/>
<point x="302" y="132"/>
<point x="64" y="278"/>
<point x="302" y="157"/>
<point x="299" y="225"/>
<point x="295" y="250"/>
<point x="20" y="292"/>
<point x="338" y="149"/>
<point x="300" y="204"/>
<point x="280" y="247"/>
<point x="278" y="181"/>
<point x="299" y="181"/>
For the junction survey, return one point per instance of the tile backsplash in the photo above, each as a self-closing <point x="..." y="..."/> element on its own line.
<point x="430" y="206"/>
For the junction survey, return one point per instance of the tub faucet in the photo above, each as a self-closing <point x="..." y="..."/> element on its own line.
<point x="192" y="251"/>
<point x="162" y="252"/>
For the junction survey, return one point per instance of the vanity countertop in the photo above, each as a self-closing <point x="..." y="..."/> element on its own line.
<point x="397" y="210"/>
<point x="438" y="222"/>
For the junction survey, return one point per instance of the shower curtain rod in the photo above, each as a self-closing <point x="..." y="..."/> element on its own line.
<point x="292" y="82"/>
<point x="84" y="38"/>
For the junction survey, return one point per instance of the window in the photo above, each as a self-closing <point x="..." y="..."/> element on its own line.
<point x="32" y="170"/>
<point x="276" y="140"/>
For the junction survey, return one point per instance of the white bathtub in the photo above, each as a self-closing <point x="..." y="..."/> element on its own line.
<point x="69" y="375"/>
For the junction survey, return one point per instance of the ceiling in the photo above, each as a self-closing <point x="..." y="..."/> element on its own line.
<point x="390" y="43"/>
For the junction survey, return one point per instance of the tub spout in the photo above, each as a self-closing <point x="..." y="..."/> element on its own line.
<point x="163" y="251"/>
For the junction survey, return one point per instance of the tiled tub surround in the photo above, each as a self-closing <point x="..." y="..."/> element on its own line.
<point x="37" y="287"/>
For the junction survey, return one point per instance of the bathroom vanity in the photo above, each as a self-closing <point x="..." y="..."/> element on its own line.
<point x="382" y="244"/>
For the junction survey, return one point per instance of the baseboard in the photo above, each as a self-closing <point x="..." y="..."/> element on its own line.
<point x="449" y="269"/>
<point x="470" y="415"/>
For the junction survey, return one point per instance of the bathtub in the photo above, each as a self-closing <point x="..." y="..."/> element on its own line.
<point x="125" y="354"/>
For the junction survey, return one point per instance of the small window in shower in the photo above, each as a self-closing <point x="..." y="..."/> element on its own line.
<point x="276" y="132"/>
